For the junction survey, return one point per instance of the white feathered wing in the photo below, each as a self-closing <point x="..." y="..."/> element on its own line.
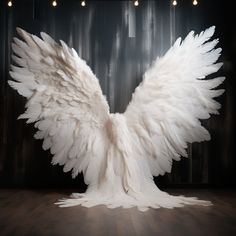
<point x="161" y="119"/>
<point x="118" y="153"/>
<point x="65" y="100"/>
<point x="166" y="108"/>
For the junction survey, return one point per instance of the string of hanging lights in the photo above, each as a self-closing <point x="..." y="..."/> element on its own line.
<point x="83" y="3"/>
<point x="194" y="2"/>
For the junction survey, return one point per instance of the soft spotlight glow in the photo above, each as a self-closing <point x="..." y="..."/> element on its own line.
<point x="136" y="3"/>
<point x="54" y="3"/>
<point x="174" y="3"/>
<point x="195" y="2"/>
<point x="83" y="3"/>
<point x="9" y="3"/>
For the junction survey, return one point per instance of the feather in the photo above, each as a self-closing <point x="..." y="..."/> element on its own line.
<point x="21" y="89"/>
<point x="48" y="39"/>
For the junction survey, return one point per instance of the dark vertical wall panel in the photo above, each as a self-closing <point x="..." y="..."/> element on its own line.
<point x="119" y="42"/>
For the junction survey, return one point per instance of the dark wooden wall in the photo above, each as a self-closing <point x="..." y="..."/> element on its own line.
<point x="119" y="42"/>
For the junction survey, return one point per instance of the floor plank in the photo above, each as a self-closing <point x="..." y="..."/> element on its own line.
<point x="32" y="212"/>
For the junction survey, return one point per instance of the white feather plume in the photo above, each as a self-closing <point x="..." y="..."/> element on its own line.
<point x="166" y="108"/>
<point x="118" y="153"/>
<point x="60" y="89"/>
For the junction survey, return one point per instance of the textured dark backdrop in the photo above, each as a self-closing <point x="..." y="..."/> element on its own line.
<point x="119" y="42"/>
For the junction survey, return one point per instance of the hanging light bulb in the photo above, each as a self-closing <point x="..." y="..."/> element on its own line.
<point x="195" y="2"/>
<point x="9" y="3"/>
<point x="83" y="3"/>
<point x="54" y="3"/>
<point x="174" y="3"/>
<point x="136" y="3"/>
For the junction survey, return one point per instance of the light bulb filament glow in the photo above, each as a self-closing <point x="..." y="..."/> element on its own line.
<point x="54" y="3"/>
<point x="9" y="3"/>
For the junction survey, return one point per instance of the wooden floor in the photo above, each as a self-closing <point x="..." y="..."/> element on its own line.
<point x="32" y="212"/>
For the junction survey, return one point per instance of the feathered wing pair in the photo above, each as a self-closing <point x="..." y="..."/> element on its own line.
<point x="118" y="154"/>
